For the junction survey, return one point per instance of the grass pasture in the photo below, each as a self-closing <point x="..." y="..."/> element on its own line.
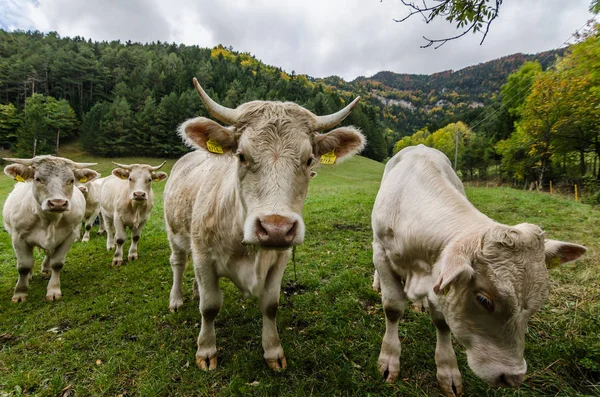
<point x="112" y="333"/>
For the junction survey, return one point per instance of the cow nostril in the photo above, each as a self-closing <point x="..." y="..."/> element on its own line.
<point x="261" y="231"/>
<point x="292" y="232"/>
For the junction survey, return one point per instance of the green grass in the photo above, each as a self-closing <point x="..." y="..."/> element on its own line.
<point x="112" y="333"/>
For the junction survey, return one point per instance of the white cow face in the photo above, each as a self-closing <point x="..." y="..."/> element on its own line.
<point x="140" y="178"/>
<point x="488" y="297"/>
<point x="274" y="148"/>
<point x="52" y="179"/>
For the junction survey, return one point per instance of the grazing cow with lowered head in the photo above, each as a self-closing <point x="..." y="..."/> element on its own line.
<point x="126" y="201"/>
<point x="238" y="210"/>
<point x="91" y="192"/>
<point x="44" y="211"/>
<point x="483" y="280"/>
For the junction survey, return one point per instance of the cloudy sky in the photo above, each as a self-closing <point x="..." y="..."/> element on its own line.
<point x="348" y="38"/>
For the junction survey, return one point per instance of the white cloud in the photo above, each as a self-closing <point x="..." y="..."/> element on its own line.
<point x="320" y="38"/>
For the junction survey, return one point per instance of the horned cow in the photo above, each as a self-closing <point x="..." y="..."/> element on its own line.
<point x="483" y="280"/>
<point x="44" y="211"/>
<point x="126" y="200"/>
<point x="236" y="203"/>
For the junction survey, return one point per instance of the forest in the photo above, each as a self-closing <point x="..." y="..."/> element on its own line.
<point x="521" y="118"/>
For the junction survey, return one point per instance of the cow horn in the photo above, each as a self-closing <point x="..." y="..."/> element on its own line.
<point x="331" y="120"/>
<point x="124" y="166"/>
<point x="158" y="166"/>
<point x="84" y="165"/>
<point x="219" y="112"/>
<point x="28" y="162"/>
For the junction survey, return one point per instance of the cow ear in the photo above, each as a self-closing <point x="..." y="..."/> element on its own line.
<point x="454" y="268"/>
<point x="205" y="134"/>
<point x="84" y="175"/>
<point x="559" y="252"/>
<point x="159" y="176"/>
<point x="343" y="142"/>
<point x="121" y="173"/>
<point x="19" y="172"/>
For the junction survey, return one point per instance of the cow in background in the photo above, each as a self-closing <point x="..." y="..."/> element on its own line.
<point x="44" y="210"/>
<point x="236" y="204"/>
<point x="91" y="191"/>
<point x="126" y="200"/>
<point x="483" y="280"/>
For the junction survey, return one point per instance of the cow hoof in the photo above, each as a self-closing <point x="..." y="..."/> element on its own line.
<point x="450" y="382"/>
<point x="117" y="262"/>
<point x="110" y="247"/>
<point x="201" y="362"/>
<point x="175" y="305"/>
<point x="85" y="239"/>
<point x="278" y="364"/>
<point x="20" y="297"/>
<point x="45" y="273"/>
<point x="53" y="296"/>
<point x="132" y="257"/>
<point x="389" y="369"/>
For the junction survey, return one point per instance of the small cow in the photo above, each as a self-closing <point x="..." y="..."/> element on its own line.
<point x="91" y="191"/>
<point x="126" y="201"/>
<point x="238" y="209"/>
<point x="44" y="211"/>
<point x="483" y="279"/>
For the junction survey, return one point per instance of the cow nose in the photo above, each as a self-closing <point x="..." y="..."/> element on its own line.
<point x="139" y="195"/>
<point x="511" y="380"/>
<point x="276" y="230"/>
<point x="58" y="204"/>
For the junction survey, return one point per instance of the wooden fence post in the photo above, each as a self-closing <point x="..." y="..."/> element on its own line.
<point x="576" y="193"/>
<point x="550" y="187"/>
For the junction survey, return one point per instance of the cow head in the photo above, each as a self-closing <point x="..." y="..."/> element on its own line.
<point x="140" y="178"/>
<point x="276" y="146"/>
<point x="52" y="179"/>
<point x="489" y="287"/>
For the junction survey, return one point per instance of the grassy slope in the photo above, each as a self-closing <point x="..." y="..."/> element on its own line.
<point x="330" y="321"/>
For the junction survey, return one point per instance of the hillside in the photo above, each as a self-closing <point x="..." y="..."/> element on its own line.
<point x="130" y="97"/>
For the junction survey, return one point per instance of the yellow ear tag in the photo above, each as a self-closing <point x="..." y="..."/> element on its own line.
<point x="83" y="180"/>
<point x="446" y="291"/>
<point x="123" y="177"/>
<point x="214" y="146"/>
<point x="19" y="178"/>
<point x="328" y="158"/>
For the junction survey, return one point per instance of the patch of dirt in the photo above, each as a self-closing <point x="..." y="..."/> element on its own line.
<point x="293" y="288"/>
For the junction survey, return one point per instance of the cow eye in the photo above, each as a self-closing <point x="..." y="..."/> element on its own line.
<point x="310" y="161"/>
<point x="71" y="181"/>
<point x="130" y="180"/>
<point x="38" y="179"/>
<point x="148" y="180"/>
<point x="485" y="301"/>
<point x="242" y="158"/>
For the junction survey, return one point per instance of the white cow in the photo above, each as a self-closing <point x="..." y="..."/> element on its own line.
<point x="238" y="209"/>
<point x="44" y="211"/>
<point x="483" y="279"/>
<point x="91" y="191"/>
<point x="126" y="201"/>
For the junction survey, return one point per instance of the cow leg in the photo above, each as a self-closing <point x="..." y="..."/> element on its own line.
<point x="110" y="233"/>
<point x="448" y="375"/>
<point x="211" y="300"/>
<point x="24" y="254"/>
<point x="394" y="301"/>
<point x="88" y="225"/>
<point x="101" y="228"/>
<point x="376" y="286"/>
<point x="136" y="233"/>
<point x="45" y="270"/>
<point x="121" y="236"/>
<point x="57" y="261"/>
<point x="269" y="303"/>
<point x="178" y="263"/>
